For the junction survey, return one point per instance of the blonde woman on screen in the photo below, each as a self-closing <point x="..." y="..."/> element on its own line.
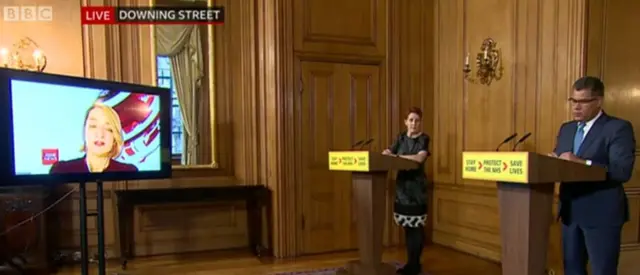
<point x="102" y="144"/>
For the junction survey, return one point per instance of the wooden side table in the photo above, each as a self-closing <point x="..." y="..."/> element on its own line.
<point x="256" y="197"/>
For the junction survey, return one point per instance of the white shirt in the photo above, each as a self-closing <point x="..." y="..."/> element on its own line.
<point x="588" y="124"/>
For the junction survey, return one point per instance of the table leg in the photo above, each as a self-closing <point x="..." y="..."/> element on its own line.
<point x="125" y="226"/>
<point x="254" y="224"/>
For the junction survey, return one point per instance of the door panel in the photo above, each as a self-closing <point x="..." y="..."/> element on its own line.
<point x="339" y="105"/>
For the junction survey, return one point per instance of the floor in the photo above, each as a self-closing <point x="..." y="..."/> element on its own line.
<point x="437" y="260"/>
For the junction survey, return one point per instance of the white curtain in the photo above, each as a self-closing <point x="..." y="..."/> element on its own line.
<point x="182" y="44"/>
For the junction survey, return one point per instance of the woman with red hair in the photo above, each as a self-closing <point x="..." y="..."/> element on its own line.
<point x="410" y="206"/>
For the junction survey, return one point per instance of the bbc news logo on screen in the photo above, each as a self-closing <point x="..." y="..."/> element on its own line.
<point x="49" y="156"/>
<point x="27" y="13"/>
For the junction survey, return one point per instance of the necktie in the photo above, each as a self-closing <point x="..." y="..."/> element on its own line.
<point x="577" y="140"/>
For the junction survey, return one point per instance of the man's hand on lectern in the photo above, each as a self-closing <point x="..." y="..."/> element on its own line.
<point x="388" y="152"/>
<point x="571" y="157"/>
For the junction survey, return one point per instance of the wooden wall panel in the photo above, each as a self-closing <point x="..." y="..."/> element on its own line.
<point x="411" y="80"/>
<point x="448" y="60"/>
<point x="340" y="27"/>
<point x="542" y="50"/>
<point x="236" y="52"/>
<point x="275" y="86"/>
<point x="488" y="112"/>
<point x="162" y="229"/>
<point x="612" y="56"/>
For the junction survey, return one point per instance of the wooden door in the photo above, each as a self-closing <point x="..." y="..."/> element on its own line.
<point x="338" y="105"/>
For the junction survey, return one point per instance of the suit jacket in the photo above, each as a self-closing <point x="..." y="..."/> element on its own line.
<point x="610" y="143"/>
<point x="80" y="166"/>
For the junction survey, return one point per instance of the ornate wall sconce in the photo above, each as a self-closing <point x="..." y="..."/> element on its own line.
<point x="488" y="64"/>
<point x="23" y="55"/>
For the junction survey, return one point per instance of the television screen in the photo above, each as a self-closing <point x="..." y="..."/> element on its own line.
<point x="68" y="129"/>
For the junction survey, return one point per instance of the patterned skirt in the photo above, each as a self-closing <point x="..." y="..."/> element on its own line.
<point x="410" y="206"/>
<point x="409" y="221"/>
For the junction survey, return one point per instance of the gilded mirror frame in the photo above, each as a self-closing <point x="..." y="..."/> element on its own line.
<point x="212" y="88"/>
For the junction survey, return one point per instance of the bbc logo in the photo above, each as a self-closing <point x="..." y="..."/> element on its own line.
<point x="27" y="13"/>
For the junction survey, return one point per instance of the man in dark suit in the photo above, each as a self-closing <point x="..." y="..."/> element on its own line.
<point x="593" y="213"/>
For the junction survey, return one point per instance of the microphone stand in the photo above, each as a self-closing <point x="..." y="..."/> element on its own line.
<point x="520" y="141"/>
<point x="356" y="144"/>
<point x="506" y="140"/>
<point x="366" y="143"/>
<point x="363" y="145"/>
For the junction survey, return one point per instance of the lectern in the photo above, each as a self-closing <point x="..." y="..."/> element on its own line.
<point x="369" y="176"/>
<point x="525" y="190"/>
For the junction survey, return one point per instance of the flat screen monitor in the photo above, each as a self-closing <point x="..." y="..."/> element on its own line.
<point x="70" y="129"/>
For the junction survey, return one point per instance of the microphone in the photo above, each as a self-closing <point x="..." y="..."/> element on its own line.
<point x="509" y="138"/>
<point x="357" y="143"/>
<point x="366" y="143"/>
<point x="521" y="140"/>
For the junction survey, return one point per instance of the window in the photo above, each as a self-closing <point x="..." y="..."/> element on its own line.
<point x="165" y="80"/>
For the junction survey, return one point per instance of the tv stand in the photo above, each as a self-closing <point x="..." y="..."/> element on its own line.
<point x="84" y="243"/>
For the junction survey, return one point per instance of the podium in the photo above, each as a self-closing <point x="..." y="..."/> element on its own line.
<point x="525" y="182"/>
<point x="369" y="178"/>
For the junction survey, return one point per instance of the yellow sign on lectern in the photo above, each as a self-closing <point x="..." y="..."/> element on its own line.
<point x="349" y="161"/>
<point x="496" y="166"/>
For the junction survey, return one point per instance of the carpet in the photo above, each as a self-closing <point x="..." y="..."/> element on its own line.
<point x="328" y="271"/>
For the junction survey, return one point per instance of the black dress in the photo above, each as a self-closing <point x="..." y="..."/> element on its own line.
<point x="410" y="206"/>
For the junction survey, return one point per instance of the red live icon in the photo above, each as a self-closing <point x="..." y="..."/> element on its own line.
<point x="98" y="15"/>
<point x="49" y="156"/>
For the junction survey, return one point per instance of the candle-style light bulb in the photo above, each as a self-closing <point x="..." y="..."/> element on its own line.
<point x="37" y="56"/>
<point x="466" y="60"/>
<point x="4" y="55"/>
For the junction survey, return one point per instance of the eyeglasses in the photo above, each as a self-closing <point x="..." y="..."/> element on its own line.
<point x="581" y="101"/>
